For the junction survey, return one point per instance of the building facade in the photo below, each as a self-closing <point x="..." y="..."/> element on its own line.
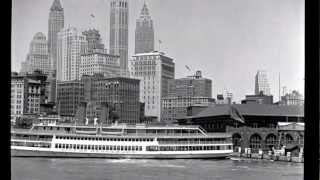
<point x="93" y="39"/>
<point x="119" y="16"/>
<point x="294" y="98"/>
<point x="258" y="99"/>
<point x="25" y="96"/>
<point x="98" y="61"/>
<point x="51" y="88"/>
<point x="176" y="107"/>
<point x="42" y="78"/>
<point x="71" y="44"/>
<point x="37" y="58"/>
<point x="55" y="24"/>
<point x="262" y="83"/>
<point x="251" y="125"/>
<point x="183" y="93"/>
<point x="144" y="34"/>
<point x="154" y="71"/>
<point x="120" y="95"/>
<point x="69" y="96"/>
<point x="191" y="86"/>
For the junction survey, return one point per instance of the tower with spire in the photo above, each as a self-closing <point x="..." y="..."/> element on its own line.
<point x="144" y="34"/>
<point x="55" y="24"/>
<point x="119" y="17"/>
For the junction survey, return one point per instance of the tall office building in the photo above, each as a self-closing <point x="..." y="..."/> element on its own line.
<point x="69" y="96"/>
<point x="191" y="86"/>
<point x="118" y="93"/>
<point x="94" y="39"/>
<point x="261" y="83"/>
<point x="154" y="70"/>
<point x="144" y="35"/>
<point x="55" y="24"/>
<point x="37" y="58"/>
<point x="71" y="44"/>
<point x="119" y="15"/>
<point x="98" y="61"/>
<point x="185" y="92"/>
<point x="25" y="96"/>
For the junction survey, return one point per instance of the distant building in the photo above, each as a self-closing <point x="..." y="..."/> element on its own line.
<point x="71" y="44"/>
<point x="294" y="98"/>
<point x="25" y="96"/>
<point x="220" y="99"/>
<point x="37" y="58"/>
<point x="183" y="93"/>
<point x="154" y="70"/>
<point x="229" y="97"/>
<point x="93" y="39"/>
<point x="193" y="86"/>
<point x="144" y="34"/>
<point x="258" y="99"/>
<point x="42" y="78"/>
<point x="55" y="24"/>
<point x="262" y="83"/>
<point x="51" y="88"/>
<point x="69" y="95"/>
<point x="118" y="94"/>
<point x="119" y="19"/>
<point x="99" y="61"/>
<point x="176" y="107"/>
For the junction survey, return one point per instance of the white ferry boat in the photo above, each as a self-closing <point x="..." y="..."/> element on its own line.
<point x="51" y="139"/>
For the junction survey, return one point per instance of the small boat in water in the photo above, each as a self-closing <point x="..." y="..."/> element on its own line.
<point x="144" y="141"/>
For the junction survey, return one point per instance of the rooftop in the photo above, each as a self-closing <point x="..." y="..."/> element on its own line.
<point x="251" y="110"/>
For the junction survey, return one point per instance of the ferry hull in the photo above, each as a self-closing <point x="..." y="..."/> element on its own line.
<point x="35" y="153"/>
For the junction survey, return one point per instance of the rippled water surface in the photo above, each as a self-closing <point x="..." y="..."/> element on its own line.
<point x="131" y="169"/>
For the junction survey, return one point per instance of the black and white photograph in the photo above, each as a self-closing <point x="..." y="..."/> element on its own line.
<point x="157" y="89"/>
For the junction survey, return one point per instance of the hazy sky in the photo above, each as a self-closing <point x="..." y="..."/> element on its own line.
<point x="228" y="40"/>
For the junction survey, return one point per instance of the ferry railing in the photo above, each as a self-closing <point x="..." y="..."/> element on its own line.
<point x="192" y="142"/>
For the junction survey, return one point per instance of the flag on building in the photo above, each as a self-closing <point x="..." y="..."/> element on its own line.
<point x="188" y="68"/>
<point x="92" y="15"/>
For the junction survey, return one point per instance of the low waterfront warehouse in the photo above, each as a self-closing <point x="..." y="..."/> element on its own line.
<point x="251" y="125"/>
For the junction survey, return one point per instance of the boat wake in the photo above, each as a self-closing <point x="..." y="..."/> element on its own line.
<point x="145" y="163"/>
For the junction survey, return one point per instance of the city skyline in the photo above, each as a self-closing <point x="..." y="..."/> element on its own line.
<point x="240" y="37"/>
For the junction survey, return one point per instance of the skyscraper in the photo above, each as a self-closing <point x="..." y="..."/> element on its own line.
<point x="94" y="40"/>
<point x="55" y="24"/>
<point x="71" y="44"/>
<point x="119" y="15"/>
<point x="261" y="83"/>
<point x="144" y="35"/>
<point x="185" y="92"/>
<point x="98" y="61"/>
<point x="37" y="58"/>
<point x="154" y="70"/>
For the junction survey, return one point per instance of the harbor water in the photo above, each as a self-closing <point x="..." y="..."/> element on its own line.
<point x="133" y="169"/>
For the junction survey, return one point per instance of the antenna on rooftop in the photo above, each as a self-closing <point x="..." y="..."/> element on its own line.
<point x="279" y="88"/>
<point x="92" y="21"/>
<point x="160" y="42"/>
